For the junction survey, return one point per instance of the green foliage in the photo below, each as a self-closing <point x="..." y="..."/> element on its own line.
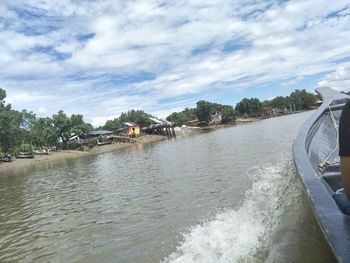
<point x="138" y="117"/>
<point x="62" y="125"/>
<point x="228" y="114"/>
<point x="302" y="100"/>
<point x="280" y="102"/>
<point x="14" y="150"/>
<point x="78" y="125"/>
<point x="18" y="128"/>
<point x="251" y="107"/>
<point x="267" y="103"/>
<point x="203" y="111"/>
<point x="2" y="98"/>
<point x="11" y="125"/>
<point x="94" y="140"/>
<point x="65" y="126"/>
<point x="43" y="132"/>
<point x="25" y="147"/>
<point x="180" y="118"/>
<point x="298" y="100"/>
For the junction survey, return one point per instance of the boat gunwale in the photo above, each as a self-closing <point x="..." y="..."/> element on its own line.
<point x="333" y="223"/>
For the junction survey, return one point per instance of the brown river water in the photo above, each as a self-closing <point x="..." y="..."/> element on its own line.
<point x="231" y="195"/>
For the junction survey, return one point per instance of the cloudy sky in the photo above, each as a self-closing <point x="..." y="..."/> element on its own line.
<point x="100" y="58"/>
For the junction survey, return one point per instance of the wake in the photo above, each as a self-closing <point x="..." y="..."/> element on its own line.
<point x="243" y="235"/>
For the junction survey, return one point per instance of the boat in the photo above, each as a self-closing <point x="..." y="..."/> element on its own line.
<point x="25" y="155"/>
<point x="6" y="158"/>
<point x="315" y="152"/>
<point x="43" y="151"/>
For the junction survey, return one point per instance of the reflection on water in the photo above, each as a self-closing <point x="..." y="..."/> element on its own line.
<point x="228" y="195"/>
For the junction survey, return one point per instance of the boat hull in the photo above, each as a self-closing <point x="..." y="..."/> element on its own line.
<point x="316" y="141"/>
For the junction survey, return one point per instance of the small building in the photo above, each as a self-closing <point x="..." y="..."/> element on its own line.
<point x="195" y="122"/>
<point x="130" y="128"/>
<point x="99" y="133"/>
<point x="74" y="138"/>
<point x="216" y="118"/>
<point x="268" y="112"/>
<point x="85" y="137"/>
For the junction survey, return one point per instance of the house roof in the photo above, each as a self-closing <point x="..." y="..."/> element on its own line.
<point x="129" y="124"/>
<point x="160" y="121"/>
<point x="100" y="132"/>
<point x="73" y="137"/>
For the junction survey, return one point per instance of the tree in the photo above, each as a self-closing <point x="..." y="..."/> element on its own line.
<point x="280" y="102"/>
<point x="62" y="125"/>
<point x="78" y="124"/>
<point x="227" y="114"/>
<point x="138" y="117"/>
<point x="302" y="100"/>
<point x="11" y="125"/>
<point x="180" y="118"/>
<point x="251" y="107"/>
<point x="2" y="98"/>
<point x="203" y="111"/>
<point x="112" y="125"/>
<point x="11" y="134"/>
<point x="43" y="132"/>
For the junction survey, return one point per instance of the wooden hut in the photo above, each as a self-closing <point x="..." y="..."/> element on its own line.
<point x="130" y="129"/>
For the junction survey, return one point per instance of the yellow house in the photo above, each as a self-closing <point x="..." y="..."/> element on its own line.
<point x="130" y="129"/>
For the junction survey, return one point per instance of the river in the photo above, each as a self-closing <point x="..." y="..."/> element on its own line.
<point x="230" y="195"/>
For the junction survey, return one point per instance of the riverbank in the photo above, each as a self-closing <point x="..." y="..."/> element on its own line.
<point x="61" y="156"/>
<point x="56" y="157"/>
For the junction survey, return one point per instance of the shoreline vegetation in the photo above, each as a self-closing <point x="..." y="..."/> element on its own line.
<point x="63" y="155"/>
<point x="41" y="140"/>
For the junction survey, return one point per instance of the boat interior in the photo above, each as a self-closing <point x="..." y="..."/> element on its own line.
<point x="322" y="147"/>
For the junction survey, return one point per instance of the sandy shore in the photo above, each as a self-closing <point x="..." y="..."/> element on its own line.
<point x="247" y="120"/>
<point x="56" y="157"/>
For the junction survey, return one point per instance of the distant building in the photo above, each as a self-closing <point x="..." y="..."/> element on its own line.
<point x="74" y="138"/>
<point x="130" y="129"/>
<point x="195" y="122"/>
<point x="86" y="136"/>
<point x="99" y="133"/>
<point x="216" y="118"/>
<point x="268" y="112"/>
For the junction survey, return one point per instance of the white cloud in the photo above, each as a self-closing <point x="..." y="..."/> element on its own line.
<point x="292" y="81"/>
<point x="338" y="80"/>
<point x="188" y="48"/>
<point x="42" y="110"/>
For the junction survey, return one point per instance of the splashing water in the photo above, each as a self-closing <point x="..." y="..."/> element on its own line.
<point x="243" y="235"/>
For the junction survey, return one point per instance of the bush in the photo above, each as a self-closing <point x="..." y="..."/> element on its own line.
<point x="14" y="150"/>
<point x="25" y="147"/>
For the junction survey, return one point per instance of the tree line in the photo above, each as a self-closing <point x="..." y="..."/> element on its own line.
<point x="247" y="107"/>
<point x="138" y="117"/>
<point x="23" y="129"/>
<point x="203" y="112"/>
<point x="298" y="100"/>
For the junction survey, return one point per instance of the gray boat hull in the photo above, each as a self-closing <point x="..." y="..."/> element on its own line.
<point x="316" y="141"/>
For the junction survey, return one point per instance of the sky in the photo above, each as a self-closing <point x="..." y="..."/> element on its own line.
<point x="101" y="58"/>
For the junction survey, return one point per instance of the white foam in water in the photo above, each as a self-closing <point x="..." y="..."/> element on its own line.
<point x="242" y="235"/>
